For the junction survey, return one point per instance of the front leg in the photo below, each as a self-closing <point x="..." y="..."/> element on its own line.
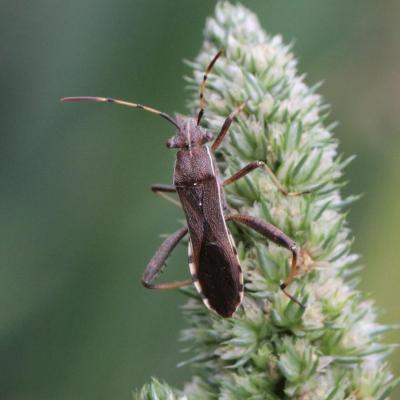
<point x="225" y="127"/>
<point x="162" y="189"/>
<point x="156" y="264"/>
<point x="261" y="164"/>
<point x="274" y="234"/>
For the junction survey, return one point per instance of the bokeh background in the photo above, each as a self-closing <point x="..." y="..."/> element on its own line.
<point x="78" y="222"/>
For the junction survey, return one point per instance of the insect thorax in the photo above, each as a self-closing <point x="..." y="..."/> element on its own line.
<point x="194" y="167"/>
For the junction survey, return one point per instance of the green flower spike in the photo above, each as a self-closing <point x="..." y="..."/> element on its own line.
<point x="271" y="348"/>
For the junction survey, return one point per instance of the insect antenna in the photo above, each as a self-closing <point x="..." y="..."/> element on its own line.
<point x="120" y="102"/>
<point x="203" y="85"/>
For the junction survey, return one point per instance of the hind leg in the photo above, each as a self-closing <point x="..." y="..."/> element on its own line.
<point x="156" y="264"/>
<point x="275" y="235"/>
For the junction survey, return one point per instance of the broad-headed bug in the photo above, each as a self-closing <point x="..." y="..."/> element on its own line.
<point x="213" y="263"/>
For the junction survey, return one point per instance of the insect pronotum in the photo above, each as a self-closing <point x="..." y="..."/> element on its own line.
<point x="213" y="262"/>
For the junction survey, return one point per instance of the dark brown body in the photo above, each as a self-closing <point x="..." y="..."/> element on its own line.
<point x="213" y="262"/>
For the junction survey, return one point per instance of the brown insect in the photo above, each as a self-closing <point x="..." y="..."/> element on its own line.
<point x="213" y="262"/>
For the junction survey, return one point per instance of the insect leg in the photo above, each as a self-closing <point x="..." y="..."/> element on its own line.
<point x="161" y="190"/>
<point x="225" y="127"/>
<point x="243" y="172"/>
<point x="258" y="164"/>
<point x="156" y="264"/>
<point x="277" y="236"/>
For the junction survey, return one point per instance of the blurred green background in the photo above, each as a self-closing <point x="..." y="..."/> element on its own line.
<point x="78" y="222"/>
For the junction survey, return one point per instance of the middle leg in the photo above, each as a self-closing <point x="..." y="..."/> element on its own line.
<point x="253" y="165"/>
<point x="162" y="191"/>
<point x="261" y="164"/>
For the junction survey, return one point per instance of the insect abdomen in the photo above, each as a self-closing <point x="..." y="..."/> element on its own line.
<point x="217" y="277"/>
